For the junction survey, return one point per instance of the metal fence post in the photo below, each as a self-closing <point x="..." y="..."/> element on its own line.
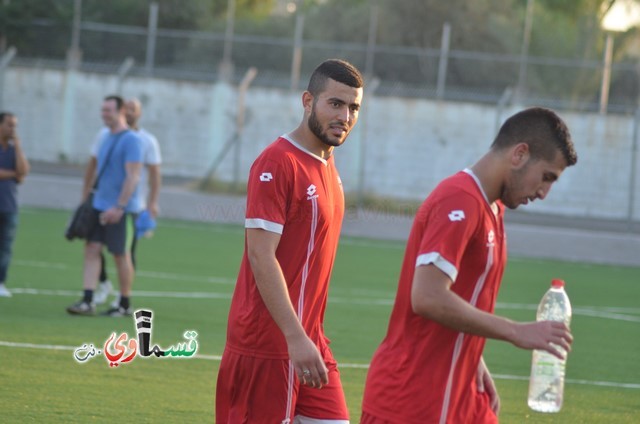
<point x="500" y="107"/>
<point x="152" y="33"/>
<point x="371" y="41"/>
<point x="74" y="53"/>
<point x="370" y="89"/>
<point x="444" y="59"/>
<point x="226" y="67"/>
<point x="296" y="61"/>
<point x="634" y="160"/>
<point x="5" y="59"/>
<point x="123" y="70"/>
<point x="521" y="89"/>
<point x="606" y="74"/>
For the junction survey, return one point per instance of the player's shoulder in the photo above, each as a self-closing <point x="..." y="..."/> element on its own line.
<point x="457" y="194"/>
<point x="147" y="136"/>
<point x="279" y="151"/>
<point x="131" y="136"/>
<point x="274" y="161"/>
<point x="460" y="185"/>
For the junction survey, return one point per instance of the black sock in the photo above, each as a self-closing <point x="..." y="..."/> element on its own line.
<point x="124" y="302"/>
<point x="103" y="269"/>
<point x="88" y="296"/>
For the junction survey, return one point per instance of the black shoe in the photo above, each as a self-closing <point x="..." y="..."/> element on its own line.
<point x="82" y="308"/>
<point x="117" y="312"/>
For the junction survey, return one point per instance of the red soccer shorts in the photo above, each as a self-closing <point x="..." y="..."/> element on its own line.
<point x="257" y="390"/>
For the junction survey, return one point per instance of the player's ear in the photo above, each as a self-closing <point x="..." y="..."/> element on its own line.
<point x="519" y="155"/>
<point x="307" y="102"/>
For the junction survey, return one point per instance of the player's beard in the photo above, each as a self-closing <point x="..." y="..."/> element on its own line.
<point x="510" y="197"/>
<point x="317" y="130"/>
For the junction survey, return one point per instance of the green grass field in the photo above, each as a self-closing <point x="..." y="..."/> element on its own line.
<point x="186" y="275"/>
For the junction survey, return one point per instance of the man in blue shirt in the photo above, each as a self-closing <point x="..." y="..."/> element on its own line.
<point x="115" y="203"/>
<point x="13" y="168"/>
<point x="151" y="159"/>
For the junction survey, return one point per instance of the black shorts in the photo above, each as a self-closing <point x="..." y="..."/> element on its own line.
<point x="118" y="237"/>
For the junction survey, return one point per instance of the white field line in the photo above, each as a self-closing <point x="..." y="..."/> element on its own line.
<point x="141" y="293"/>
<point x="342" y="365"/>
<point x="141" y="273"/>
<point x="590" y="312"/>
<point x="615" y="313"/>
<point x="374" y="297"/>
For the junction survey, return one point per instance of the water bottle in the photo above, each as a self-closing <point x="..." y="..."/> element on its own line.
<point x="546" y="386"/>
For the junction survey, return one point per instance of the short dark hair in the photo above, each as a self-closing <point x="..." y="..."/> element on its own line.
<point x="5" y="115"/>
<point x="118" y="99"/>
<point x="544" y="132"/>
<point x="337" y="70"/>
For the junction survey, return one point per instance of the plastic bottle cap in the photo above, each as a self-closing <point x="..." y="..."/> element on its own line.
<point x="556" y="282"/>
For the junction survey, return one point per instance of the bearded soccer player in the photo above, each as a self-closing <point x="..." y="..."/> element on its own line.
<point x="277" y="357"/>
<point x="429" y="368"/>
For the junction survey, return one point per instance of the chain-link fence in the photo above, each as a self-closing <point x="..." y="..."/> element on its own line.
<point x="448" y="74"/>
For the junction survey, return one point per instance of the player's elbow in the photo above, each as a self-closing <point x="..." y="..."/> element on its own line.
<point x="424" y="305"/>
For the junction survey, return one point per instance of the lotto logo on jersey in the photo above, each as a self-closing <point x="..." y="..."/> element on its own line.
<point x="311" y="192"/>
<point x="457" y="215"/>
<point x="490" y="238"/>
<point x="266" y="177"/>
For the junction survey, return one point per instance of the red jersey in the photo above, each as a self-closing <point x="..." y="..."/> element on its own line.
<point x="299" y="195"/>
<point x="424" y="372"/>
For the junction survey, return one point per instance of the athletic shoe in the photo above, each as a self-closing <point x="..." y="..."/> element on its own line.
<point x="116" y="300"/>
<point x="4" y="291"/>
<point x="102" y="292"/>
<point x="118" y="312"/>
<point x="82" y="308"/>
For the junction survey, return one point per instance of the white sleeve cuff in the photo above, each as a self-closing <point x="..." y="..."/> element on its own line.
<point x="441" y="263"/>
<point x="273" y="227"/>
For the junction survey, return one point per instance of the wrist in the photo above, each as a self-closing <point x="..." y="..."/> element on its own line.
<point x="121" y="207"/>
<point x="295" y="335"/>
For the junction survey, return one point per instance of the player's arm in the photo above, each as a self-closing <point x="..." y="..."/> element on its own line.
<point x="7" y="174"/>
<point x="22" y="164"/>
<point x="432" y="298"/>
<point x="89" y="177"/>
<point x="261" y="251"/>
<point x="486" y="384"/>
<point x="114" y="214"/>
<point x="132" y="170"/>
<point x="155" y="181"/>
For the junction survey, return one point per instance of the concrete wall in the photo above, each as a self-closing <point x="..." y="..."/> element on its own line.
<point x="405" y="145"/>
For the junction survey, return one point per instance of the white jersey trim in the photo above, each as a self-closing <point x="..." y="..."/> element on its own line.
<point x="273" y="227"/>
<point x="441" y="263"/>
<point x="493" y="206"/>
<point x="300" y="309"/>
<point x="458" y="346"/>
<point x="298" y="146"/>
<point x="475" y="178"/>
<point x="301" y="419"/>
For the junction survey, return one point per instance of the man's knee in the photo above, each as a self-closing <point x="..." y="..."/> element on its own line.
<point x="92" y="250"/>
